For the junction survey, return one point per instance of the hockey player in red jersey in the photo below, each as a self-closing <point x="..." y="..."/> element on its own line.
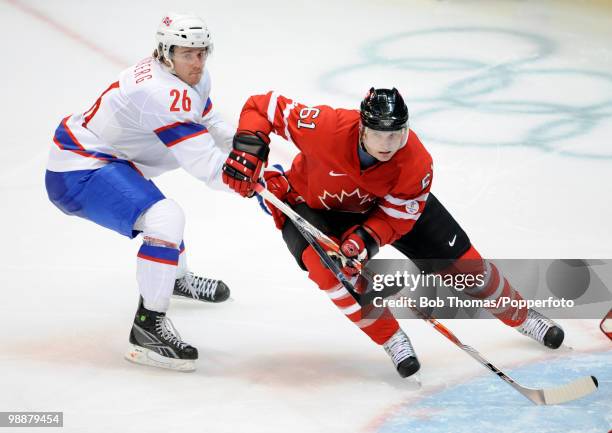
<point x="364" y="178"/>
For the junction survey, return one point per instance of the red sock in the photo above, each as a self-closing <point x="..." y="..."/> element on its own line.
<point x="379" y="328"/>
<point x="495" y="287"/>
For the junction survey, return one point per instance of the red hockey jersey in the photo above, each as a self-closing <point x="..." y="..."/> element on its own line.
<point x="327" y="172"/>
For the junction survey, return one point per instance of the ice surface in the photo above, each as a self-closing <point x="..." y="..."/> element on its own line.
<point x="514" y="101"/>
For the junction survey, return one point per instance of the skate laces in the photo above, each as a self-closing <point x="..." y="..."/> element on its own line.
<point x="168" y="332"/>
<point x="398" y="347"/>
<point x="536" y="325"/>
<point x="198" y="286"/>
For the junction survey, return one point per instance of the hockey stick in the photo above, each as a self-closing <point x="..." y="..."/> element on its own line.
<point x="303" y="225"/>
<point x="312" y="234"/>
<point x="574" y="390"/>
<point x="543" y="396"/>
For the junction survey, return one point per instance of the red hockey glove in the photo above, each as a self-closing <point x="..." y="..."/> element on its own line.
<point x="277" y="184"/>
<point x="359" y="244"/>
<point x="243" y="166"/>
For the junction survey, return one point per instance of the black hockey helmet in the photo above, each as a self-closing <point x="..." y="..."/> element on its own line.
<point x="384" y="110"/>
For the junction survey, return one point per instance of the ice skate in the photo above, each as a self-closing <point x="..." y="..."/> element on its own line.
<point x="201" y="289"/>
<point x="399" y="348"/>
<point x="542" y="329"/>
<point x="155" y="342"/>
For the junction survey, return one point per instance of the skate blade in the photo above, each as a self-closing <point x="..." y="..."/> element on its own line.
<point x="192" y="299"/>
<point x="413" y="382"/>
<point x="143" y="356"/>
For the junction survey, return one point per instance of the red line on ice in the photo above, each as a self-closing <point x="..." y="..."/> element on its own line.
<point x="79" y="39"/>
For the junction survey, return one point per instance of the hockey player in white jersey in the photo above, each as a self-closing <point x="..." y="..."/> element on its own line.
<point x="157" y="117"/>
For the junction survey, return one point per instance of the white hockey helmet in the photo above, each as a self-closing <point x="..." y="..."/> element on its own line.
<point x="184" y="31"/>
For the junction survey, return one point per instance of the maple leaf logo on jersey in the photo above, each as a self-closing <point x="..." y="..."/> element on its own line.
<point x="355" y="201"/>
<point x="167" y="21"/>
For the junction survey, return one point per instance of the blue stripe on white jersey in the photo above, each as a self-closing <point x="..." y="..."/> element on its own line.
<point x="67" y="141"/>
<point x="179" y="131"/>
<point x="207" y="107"/>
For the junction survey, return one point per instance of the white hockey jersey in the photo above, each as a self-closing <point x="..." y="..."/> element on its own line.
<point x="150" y="119"/>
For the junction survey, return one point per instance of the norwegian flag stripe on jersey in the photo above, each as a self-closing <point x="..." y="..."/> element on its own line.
<point x="65" y="139"/>
<point x="207" y="107"/>
<point x="173" y="134"/>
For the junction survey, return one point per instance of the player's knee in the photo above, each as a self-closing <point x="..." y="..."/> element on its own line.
<point x="164" y="221"/>
<point x="471" y="253"/>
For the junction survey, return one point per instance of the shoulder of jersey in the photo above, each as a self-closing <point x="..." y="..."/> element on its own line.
<point x="148" y="77"/>
<point x="346" y="128"/>
<point x="147" y="83"/>
<point x="346" y="117"/>
<point x="338" y="121"/>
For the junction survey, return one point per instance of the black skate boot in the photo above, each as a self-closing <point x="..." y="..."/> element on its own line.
<point x="200" y="288"/>
<point x="399" y="348"/>
<point x="156" y="342"/>
<point x="542" y="329"/>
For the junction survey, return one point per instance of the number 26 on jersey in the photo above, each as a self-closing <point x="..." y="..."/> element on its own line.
<point x="185" y="101"/>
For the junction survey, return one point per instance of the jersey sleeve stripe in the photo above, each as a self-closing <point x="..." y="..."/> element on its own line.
<point x="401" y="202"/>
<point x="207" y="107"/>
<point x="174" y="133"/>
<point x="65" y="140"/>
<point x="286" y="113"/>
<point x="399" y="215"/>
<point x="94" y="109"/>
<point x="272" y="107"/>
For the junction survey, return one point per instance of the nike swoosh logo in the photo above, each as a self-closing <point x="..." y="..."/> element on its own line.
<point x="452" y="242"/>
<point x="334" y="174"/>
